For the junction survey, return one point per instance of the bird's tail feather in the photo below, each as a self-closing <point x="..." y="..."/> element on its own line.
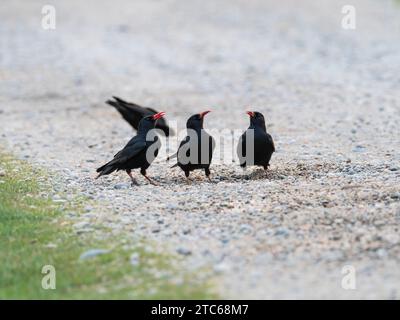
<point x="113" y="103"/>
<point x="120" y="100"/>
<point x="106" y="169"/>
<point x="122" y="105"/>
<point x="101" y="168"/>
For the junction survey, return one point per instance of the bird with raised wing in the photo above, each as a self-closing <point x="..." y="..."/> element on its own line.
<point x="133" y="113"/>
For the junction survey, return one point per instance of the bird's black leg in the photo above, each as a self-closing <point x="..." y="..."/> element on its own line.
<point x="207" y="172"/>
<point x="187" y="177"/>
<point x="134" y="182"/>
<point x="143" y="172"/>
<point x="266" y="170"/>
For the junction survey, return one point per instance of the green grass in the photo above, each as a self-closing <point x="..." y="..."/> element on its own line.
<point x="34" y="233"/>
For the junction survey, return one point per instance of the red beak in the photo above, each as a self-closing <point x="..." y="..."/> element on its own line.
<point x="158" y="115"/>
<point x="202" y="114"/>
<point x="250" y="113"/>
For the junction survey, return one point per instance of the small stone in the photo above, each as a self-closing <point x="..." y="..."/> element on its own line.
<point x="395" y="195"/>
<point x="93" y="253"/>
<point x="282" y="232"/>
<point x="81" y="225"/>
<point x="327" y="204"/>
<point x="221" y="268"/>
<point x="51" y="245"/>
<point x="350" y="171"/>
<point x="246" y="229"/>
<point x="359" y="149"/>
<point x="225" y="240"/>
<point x="379" y="223"/>
<point x="59" y="200"/>
<point x="392" y="238"/>
<point x="84" y="230"/>
<point x="171" y="207"/>
<point x="120" y="186"/>
<point x="381" y="253"/>
<point x="134" y="259"/>
<point x="183" y="251"/>
<point x="364" y="195"/>
<point x="2" y="173"/>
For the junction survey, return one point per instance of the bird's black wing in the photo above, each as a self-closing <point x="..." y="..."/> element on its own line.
<point x="271" y="142"/>
<point x="133" y="147"/>
<point x="175" y="155"/>
<point x="134" y="140"/>
<point x="212" y="144"/>
<point x="135" y="107"/>
<point x="241" y="149"/>
<point x="151" y="110"/>
<point x="139" y="112"/>
<point x="211" y="147"/>
<point x="127" y="153"/>
<point x="131" y="112"/>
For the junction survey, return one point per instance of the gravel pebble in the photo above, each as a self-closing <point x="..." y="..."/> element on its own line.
<point x="134" y="259"/>
<point x="183" y="251"/>
<point x="92" y="253"/>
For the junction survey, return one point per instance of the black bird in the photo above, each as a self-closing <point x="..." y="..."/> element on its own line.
<point x="133" y="113"/>
<point x="135" y="154"/>
<point x="195" y="151"/>
<point x="262" y="142"/>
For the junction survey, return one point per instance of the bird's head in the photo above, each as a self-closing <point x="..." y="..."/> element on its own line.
<point x="256" y="119"/>
<point x="149" y="121"/>
<point x="196" y="120"/>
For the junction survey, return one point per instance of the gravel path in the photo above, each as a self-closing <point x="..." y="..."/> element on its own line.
<point x="332" y="104"/>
